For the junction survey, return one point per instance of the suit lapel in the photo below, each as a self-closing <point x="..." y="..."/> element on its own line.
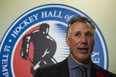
<point x="94" y="70"/>
<point x="64" y="70"/>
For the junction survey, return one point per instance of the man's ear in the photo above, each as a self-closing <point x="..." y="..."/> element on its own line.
<point x="67" y="40"/>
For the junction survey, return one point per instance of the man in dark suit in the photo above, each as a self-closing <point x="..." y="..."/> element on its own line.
<point x="80" y="39"/>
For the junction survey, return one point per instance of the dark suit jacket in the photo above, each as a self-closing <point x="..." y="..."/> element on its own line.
<point x="61" y="70"/>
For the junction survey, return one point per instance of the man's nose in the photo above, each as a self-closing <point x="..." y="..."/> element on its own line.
<point x="83" y="39"/>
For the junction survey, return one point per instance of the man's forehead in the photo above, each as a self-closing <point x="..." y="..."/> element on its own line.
<point x="81" y="31"/>
<point x="80" y="26"/>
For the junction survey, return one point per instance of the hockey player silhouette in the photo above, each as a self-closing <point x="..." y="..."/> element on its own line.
<point x="44" y="47"/>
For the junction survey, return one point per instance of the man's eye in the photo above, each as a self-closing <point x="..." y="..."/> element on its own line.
<point x="78" y="34"/>
<point x="89" y="35"/>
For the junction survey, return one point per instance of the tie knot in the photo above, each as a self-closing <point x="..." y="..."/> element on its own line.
<point x="83" y="68"/>
<point x="84" y="71"/>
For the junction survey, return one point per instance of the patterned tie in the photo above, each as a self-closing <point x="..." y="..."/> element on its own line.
<point x="84" y="71"/>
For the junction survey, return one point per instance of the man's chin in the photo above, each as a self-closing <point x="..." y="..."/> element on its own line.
<point x="84" y="60"/>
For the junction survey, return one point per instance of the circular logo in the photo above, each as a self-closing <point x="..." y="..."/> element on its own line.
<point x="37" y="39"/>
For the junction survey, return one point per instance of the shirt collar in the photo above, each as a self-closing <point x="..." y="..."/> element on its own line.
<point x="72" y="64"/>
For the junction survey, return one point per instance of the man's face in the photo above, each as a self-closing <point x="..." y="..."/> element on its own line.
<point x="80" y="42"/>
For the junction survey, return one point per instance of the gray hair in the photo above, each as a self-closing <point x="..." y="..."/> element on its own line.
<point x="79" y="19"/>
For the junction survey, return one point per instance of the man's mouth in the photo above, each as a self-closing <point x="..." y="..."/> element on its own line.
<point x="84" y="50"/>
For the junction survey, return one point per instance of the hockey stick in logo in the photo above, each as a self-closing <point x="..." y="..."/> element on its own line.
<point x="38" y="64"/>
